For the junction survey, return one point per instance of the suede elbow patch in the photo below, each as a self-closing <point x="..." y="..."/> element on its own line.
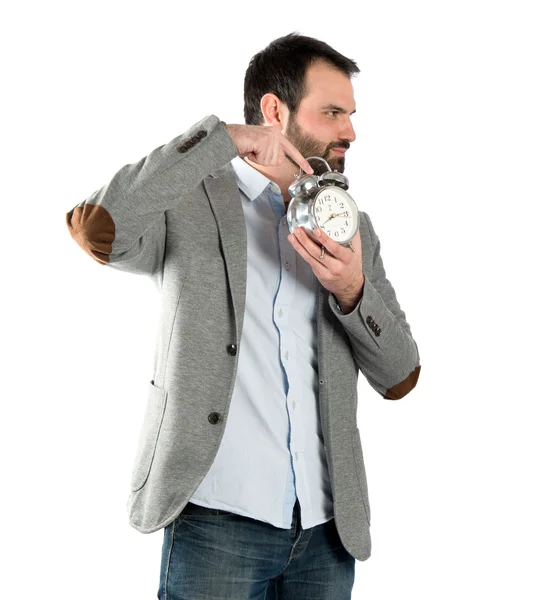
<point x="92" y="227"/>
<point x="404" y="387"/>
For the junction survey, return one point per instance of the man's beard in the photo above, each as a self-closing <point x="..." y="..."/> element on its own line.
<point x="309" y="146"/>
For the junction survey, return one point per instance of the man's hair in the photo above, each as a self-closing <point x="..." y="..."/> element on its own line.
<point x="280" y="69"/>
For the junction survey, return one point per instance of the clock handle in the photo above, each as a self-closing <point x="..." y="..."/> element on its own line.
<point x="317" y="158"/>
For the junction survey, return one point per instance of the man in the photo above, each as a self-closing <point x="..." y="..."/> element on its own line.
<point x="250" y="456"/>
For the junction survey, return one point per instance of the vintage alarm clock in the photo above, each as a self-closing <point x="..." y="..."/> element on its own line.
<point x="322" y="201"/>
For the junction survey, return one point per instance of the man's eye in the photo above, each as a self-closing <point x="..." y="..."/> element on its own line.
<point x="332" y="113"/>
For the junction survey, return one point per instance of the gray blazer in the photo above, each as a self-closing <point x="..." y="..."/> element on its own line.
<point x="176" y="216"/>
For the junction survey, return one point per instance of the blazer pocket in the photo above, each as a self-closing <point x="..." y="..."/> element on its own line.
<point x="361" y="472"/>
<point x="155" y="409"/>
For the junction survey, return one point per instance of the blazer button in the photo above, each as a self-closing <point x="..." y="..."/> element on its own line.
<point x="182" y="149"/>
<point x="231" y="349"/>
<point x="201" y="134"/>
<point x="369" y="320"/>
<point x="214" y="418"/>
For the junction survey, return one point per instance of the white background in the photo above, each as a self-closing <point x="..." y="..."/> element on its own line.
<point x="446" y="163"/>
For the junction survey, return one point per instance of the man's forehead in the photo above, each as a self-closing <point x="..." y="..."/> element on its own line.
<point x="326" y="86"/>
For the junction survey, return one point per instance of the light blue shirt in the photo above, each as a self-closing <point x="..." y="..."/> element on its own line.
<point x="272" y="449"/>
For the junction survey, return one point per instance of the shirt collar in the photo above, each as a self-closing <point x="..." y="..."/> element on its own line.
<point x="249" y="180"/>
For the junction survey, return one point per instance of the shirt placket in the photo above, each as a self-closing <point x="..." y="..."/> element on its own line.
<point x="284" y="302"/>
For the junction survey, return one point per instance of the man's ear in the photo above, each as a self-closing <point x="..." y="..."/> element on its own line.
<point x="275" y="112"/>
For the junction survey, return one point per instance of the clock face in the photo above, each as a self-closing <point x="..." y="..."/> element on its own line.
<point x="336" y="213"/>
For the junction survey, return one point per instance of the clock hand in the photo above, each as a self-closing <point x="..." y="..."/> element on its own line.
<point x="329" y="219"/>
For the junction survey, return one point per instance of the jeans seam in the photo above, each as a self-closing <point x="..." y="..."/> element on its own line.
<point x="166" y="595"/>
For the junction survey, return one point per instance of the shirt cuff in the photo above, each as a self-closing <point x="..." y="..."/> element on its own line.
<point x="336" y="308"/>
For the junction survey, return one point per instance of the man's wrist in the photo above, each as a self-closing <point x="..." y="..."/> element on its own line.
<point x="348" y="301"/>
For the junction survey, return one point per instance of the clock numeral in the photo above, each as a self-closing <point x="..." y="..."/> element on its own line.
<point x="341" y="205"/>
<point x="346" y="223"/>
<point x="318" y="209"/>
<point x="342" y="230"/>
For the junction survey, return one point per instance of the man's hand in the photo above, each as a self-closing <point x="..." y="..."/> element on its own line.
<point x="339" y="271"/>
<point x="265" y="146"/>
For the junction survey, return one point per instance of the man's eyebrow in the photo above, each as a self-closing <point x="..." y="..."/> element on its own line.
<point x="337" y="108"/>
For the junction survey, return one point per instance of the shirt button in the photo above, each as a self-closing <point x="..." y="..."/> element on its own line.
<point x="280" y="313"/>
<point x="286" y="355"/>
<point x="294" y="404"/>
<point x="231" y="349"/>
<point x="296" y="455"/>
<point x="287" y="266"/>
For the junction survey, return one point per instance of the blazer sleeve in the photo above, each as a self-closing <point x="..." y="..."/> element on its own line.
<point x="382" y="345"/>
<point x="122" y="225"/>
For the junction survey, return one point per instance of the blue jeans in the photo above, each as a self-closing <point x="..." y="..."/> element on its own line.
<point x="212" y="554"/>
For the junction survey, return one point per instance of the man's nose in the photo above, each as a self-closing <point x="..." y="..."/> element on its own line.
<point x="347" y="132"/>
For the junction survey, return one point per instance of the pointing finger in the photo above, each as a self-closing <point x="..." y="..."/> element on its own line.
<point x="295" y="155"/>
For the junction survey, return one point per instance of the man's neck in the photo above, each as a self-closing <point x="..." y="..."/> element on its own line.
<point x="283" y="175"/>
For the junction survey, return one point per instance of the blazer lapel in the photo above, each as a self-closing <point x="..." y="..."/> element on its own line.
<point x="325" y="333"/>
<point x="325" y="317"/>
<point x="226" y="205"/>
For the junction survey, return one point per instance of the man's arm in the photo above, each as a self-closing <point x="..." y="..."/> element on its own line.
<point x="367" y="307"/>
<point x="380" y="336"/>
<point x="123" y="224"/>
